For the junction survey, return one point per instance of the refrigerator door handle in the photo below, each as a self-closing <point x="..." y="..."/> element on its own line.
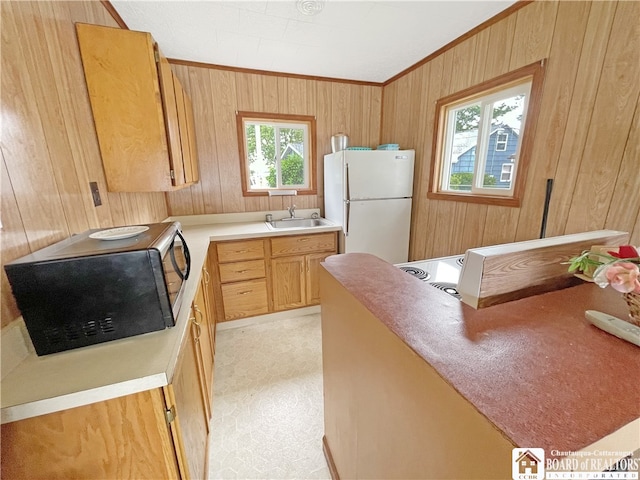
<point x="346" y="217"/>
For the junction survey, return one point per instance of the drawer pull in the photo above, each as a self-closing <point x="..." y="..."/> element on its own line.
<point x="246" y="292"/>
<point x="242" y="251"/>
<point x="242" y="271"/>
<point x="303" y="239"/>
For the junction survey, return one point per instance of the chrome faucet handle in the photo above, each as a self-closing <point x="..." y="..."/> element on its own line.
<point x="292" y="211"/>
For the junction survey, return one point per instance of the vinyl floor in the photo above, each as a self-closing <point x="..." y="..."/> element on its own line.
<point x="267" y="408"/>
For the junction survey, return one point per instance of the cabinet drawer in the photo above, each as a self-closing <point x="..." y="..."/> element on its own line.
<point x="245" y="299"/>
<point x="320" y="242"/>
<point x="235" y="272"/>
<point x="242" y="250"/>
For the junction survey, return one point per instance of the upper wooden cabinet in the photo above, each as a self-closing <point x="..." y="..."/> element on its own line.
<point x="143" y="117"/>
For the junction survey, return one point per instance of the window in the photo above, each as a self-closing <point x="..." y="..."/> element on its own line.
<point x="506" y="172"/>
<point x="277" y="152"/>
<point x="501" y="141"/>
<point x="483" y="138"/>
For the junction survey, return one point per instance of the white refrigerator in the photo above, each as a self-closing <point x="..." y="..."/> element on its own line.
<point x="369" y="192"/>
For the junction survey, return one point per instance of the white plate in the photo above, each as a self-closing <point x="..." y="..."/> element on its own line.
<point x="118" y="233"/>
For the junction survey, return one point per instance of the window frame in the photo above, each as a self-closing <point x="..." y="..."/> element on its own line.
<point x="276" y="118"/>
<point x="533" y="72"/>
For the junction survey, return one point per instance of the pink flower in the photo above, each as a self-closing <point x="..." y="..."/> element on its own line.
<point x="622" y="276"/>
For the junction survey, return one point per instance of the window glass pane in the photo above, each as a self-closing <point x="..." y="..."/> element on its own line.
<point x="502" y="147"/>
<point x="463" y="148"/>
<point x="292" y="157"/>
<point x="261" y="154"/>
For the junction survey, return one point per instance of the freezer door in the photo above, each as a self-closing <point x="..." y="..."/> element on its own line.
<point x="379" y="174"/>
<point x="379" y="227"/>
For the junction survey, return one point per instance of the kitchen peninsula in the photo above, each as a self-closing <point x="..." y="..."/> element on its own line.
<point x="420" y="385"/>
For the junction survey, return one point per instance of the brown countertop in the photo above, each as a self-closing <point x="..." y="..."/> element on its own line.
<point x="533" y="367"/>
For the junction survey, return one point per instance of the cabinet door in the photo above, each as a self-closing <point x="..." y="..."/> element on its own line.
<point x="204" y="344"/>
<point x="108" y="439"/>
<point x="207" y="287"/>
<point x="190" y="427"/>
<point x="313" y="276"/>
<point x="124" y="91"/>
<point x="171" y="118"/>
<point x="184" y="133"/>
<point x="288" y="281"/>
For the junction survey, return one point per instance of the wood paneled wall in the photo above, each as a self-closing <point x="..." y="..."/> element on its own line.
<point x="587" y="136"/>
<point x="48" y="145"/>
<point x="217" y="94"/>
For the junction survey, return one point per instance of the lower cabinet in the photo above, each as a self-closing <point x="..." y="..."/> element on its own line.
<point x="271" y="274"/>
<point x="295" y="280"/>
<point x="126" y="437"/>
<point x="158" y="433"/>
<point x="295" y="261"/>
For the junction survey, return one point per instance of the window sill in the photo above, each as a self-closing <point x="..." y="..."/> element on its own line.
<point x="496" y="200"/>
<point x="265" y="193"/>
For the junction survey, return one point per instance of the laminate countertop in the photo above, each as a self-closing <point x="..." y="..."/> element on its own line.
<point x="534" y="367"/>
<point x="34" y="385"/>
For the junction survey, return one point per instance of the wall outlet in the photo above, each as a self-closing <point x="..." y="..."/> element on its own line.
<point x="95" y="193"/>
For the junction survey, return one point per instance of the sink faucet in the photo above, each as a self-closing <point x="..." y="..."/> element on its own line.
<point x="292" y="211"/>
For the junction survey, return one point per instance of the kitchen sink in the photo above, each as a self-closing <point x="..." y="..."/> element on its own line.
<point x="297" y="223"/>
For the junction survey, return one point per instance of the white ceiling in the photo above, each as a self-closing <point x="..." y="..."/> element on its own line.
<point x="352" y="40"/>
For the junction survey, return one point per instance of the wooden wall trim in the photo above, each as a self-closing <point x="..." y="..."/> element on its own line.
<point x="189" y="63"/>
<point x="114" y="13"/>
<point x="495" y="19"/>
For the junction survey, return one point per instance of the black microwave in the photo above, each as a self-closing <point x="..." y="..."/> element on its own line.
<point x="101" y="285"/>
